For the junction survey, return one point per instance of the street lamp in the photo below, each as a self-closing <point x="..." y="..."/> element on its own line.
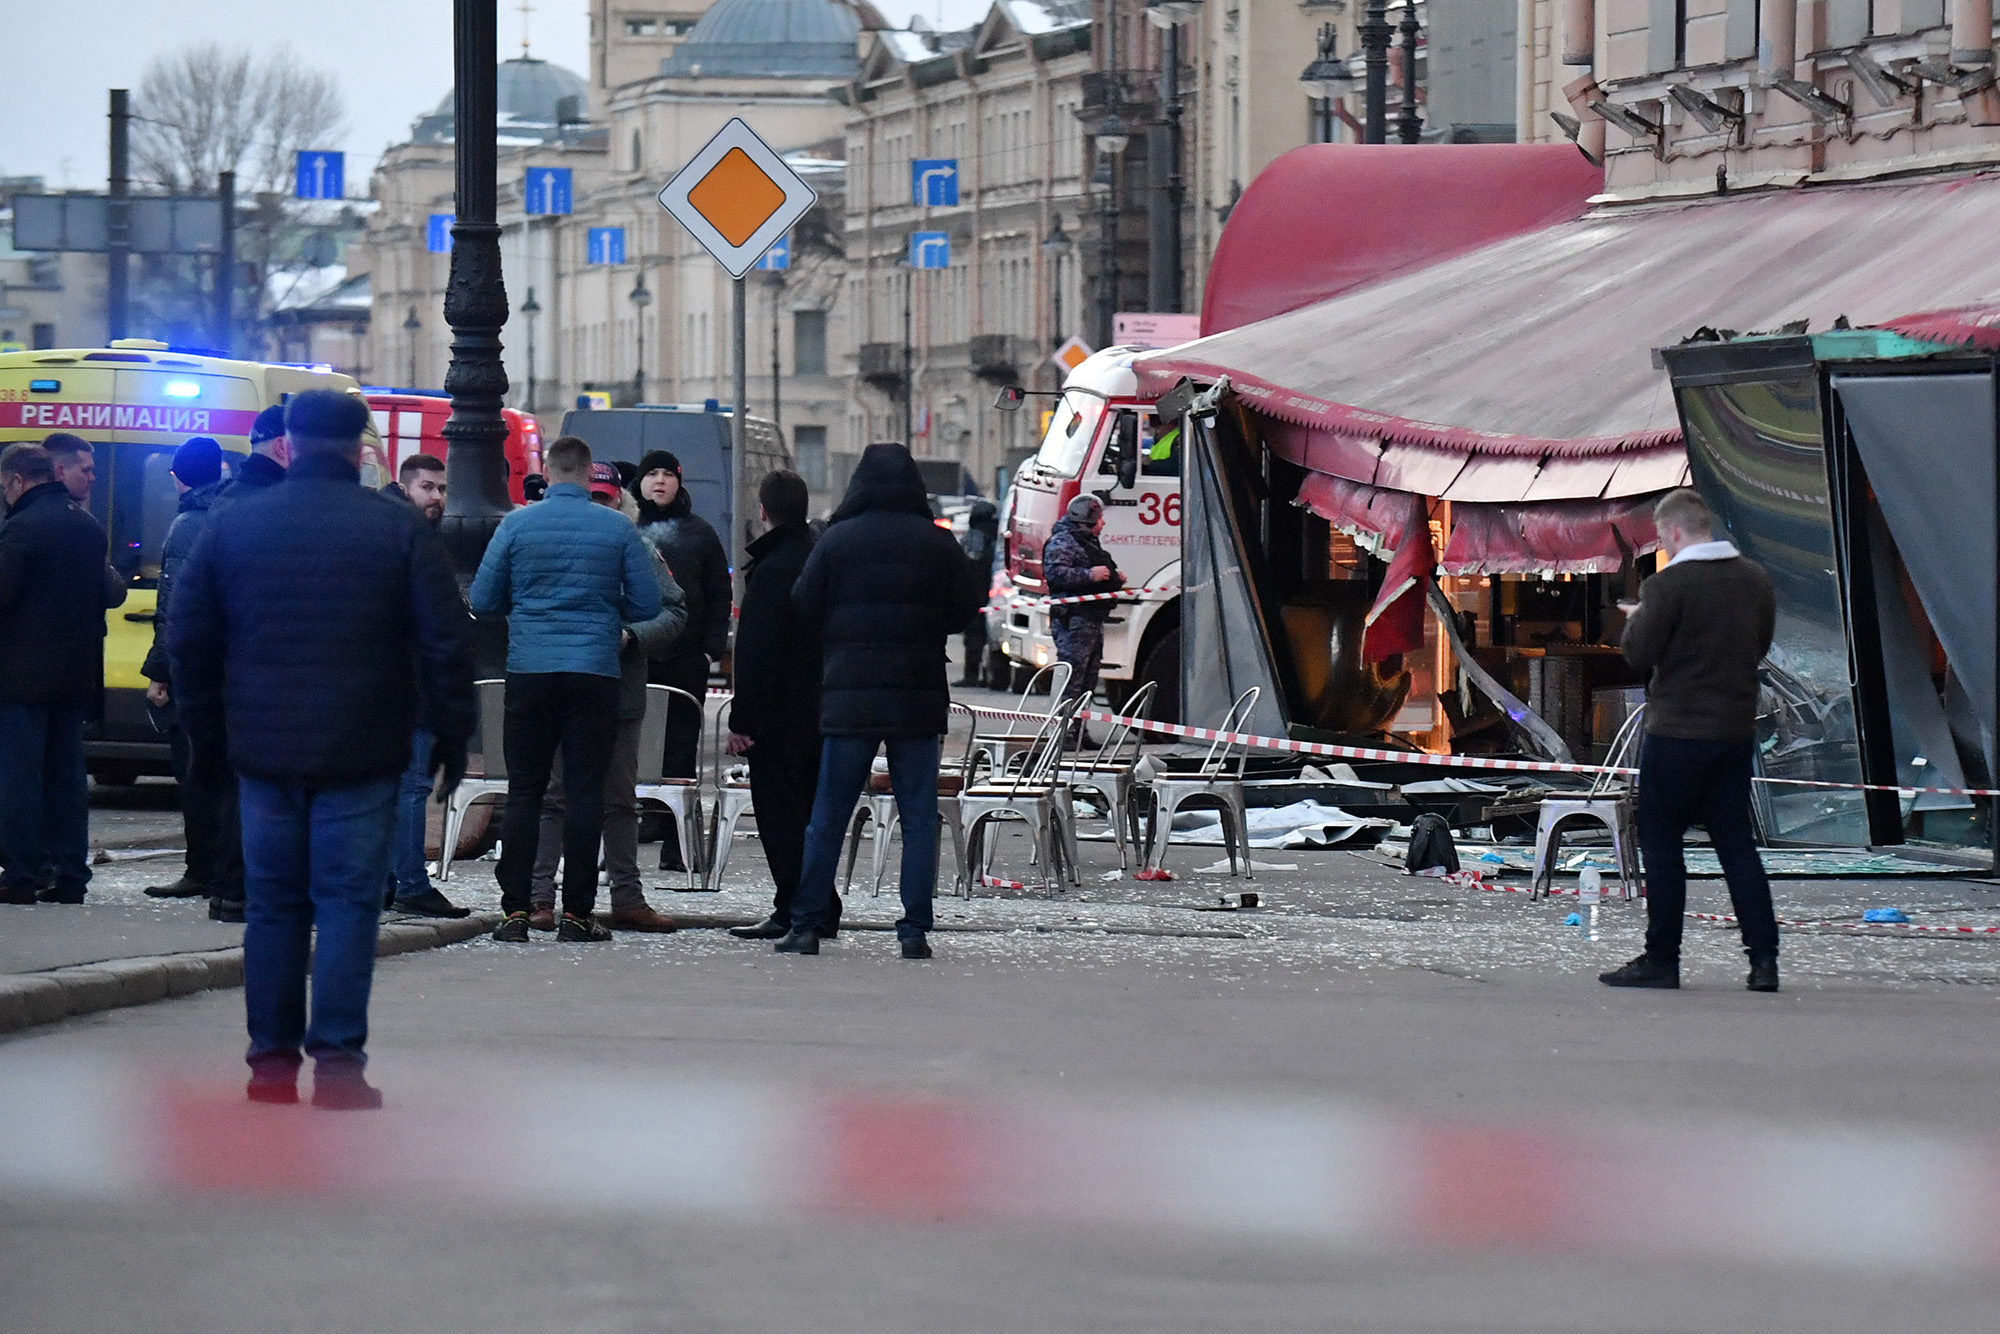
<point x="531" y="308"/>
<point x="1057" y="246"/>
<point x="410" y="327"/>
<point x="642" y="298"/>
<point x="775" y="282"/>
<point x="1163" y="232"/>
<point x="1327" y="79"/>
<point x="1408" y="128"/>
<point x="1375" y="33"/>
<point x="1111" y="138"/>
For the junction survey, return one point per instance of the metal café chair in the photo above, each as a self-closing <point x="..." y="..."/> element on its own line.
<point x="492" y="781"/>
<point x="1033" y="792"/>
<point x="1612" y="801"/>
<point x="1218" y="782"/>
<point x="731" y="804"/>
<point x="1002" y="748"/>
<point x="682" y="796"/>
<point x="1111" y="771"/>
<point x="877" y="813"/>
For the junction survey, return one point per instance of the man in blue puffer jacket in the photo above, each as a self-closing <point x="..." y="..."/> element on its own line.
<point x="569" y="576"/>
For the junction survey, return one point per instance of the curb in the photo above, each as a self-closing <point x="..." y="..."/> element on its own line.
<point x="31" y="999"/>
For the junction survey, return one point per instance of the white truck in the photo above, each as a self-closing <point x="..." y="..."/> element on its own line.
<point x="1102" y="439"/>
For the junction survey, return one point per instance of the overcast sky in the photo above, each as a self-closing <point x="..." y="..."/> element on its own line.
<point x="392" y="57"/>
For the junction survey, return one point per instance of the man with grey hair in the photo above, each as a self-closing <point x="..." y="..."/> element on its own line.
<point x="1702" y="626"/>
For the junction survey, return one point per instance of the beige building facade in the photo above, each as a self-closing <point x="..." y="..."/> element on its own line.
<point x="1689" y="97"/>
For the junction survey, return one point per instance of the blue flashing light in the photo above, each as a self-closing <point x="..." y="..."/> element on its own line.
<point x="183" y="389"/>
<point x="45" y="386"/>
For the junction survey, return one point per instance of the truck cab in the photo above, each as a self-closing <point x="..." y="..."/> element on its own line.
<point x="1100" y="438"/>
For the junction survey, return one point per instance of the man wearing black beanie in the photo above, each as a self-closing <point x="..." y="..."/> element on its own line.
<point x="208" y="809"/>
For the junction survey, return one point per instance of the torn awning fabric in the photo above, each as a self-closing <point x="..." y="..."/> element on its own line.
<point x="1553" y="537"/>
<point x="1395" y="624"/>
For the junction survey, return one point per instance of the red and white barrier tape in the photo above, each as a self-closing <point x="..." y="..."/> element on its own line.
<point x="1333" y="751"/>
<point x="1123" y="593"/>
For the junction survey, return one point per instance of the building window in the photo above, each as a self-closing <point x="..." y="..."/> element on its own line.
<point x="642" y="27"/>
<point x="44" y="337"/>
<point x="809" y="342"/>
<point x="635" y="150"/>
<point x="809" y="452"/>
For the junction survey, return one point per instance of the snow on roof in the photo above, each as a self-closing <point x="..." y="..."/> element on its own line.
<point x="908" y="47"/>
<point x="1034" y="17"/>
<point x="311" y="287"/>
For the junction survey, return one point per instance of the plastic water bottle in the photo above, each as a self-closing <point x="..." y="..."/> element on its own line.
<point x="1590" y="886"/>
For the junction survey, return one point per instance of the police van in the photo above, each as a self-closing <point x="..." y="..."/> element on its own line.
<point x="138" y="401"/>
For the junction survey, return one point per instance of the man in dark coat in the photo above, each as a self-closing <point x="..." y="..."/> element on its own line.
<point x="695" y="555"/>
<point x="1702" y="626"/>
<point x="1075" y="563"/>
<point x="885" y="588"/>
<point x="316" y="626"/>
<point x="208" y="810"/>
<point x="982" y="542"/>
<point x="54" y="591"/>
<point x="774" y="719"/>
<point x="270" y="453"/>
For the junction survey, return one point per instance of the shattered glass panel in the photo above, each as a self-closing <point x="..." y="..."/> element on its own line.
<point x="1758" y="458"/>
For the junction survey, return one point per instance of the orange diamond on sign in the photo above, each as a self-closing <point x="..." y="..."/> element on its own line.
<point x="1073" y="353"/>
<point x="736" y="197"/>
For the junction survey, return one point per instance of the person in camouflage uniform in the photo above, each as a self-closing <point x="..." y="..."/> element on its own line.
<point x="1074" y="562"/>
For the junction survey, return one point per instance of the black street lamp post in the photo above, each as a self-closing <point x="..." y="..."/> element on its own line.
<point x="1111" y="139"/>
<point x="530" y="308"/>
<point x="641" y="297"/>
<point x="410" y="327"/>
<point x="475" y="300"/>
<point x="1408" y="128"/>
<point x="1163" y="257"/>
<point x="1375" y="34"/>
<point x="1326" y="80"/>
<point x="1058" y="246"/>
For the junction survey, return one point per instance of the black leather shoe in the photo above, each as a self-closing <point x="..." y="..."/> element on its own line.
<point x="430" y="903"/>
<point x="338" y="1086"/>
<point x="917" y="949"/>
<point x="1645" y="971"/>
<point x="771" y="928"/>
<point x="59" y="894"/>
<point x="1763" y="975"/>
<point x="803" y="941"/>
<point x="225" y="910"/>
<point x="182" y="888"/>
<point x="17" y="894"/>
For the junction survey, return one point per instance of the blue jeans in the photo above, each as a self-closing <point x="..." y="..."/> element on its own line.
<point x="412" y="792"/>
<point x="313" y="857"/>
<point x="44" y="797"/>
<point x="843" y="773"/>
<point x="1684" y="782"/>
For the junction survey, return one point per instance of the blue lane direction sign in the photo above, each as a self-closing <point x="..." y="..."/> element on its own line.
<point x="934" y="182"/>
<point x="547" y="190"/>
<point x="606" y="245"/>
<point x="930" y="250"/>
<point x="321" y="175"/>
<point x="779" y="256"/>
<point x="437" y="237"/>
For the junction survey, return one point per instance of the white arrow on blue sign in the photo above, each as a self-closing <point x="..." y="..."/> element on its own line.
<point x="934" y="182"/>
<point x="437" y="239"/>
<point x="930" y="250"/>
<point x="779" y="256"/>
<point x="606" y="245"/>
<point x="321" y="175"/>
<point x="547" y="190"/>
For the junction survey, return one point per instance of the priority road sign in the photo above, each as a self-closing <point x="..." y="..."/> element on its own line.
<point x="737" y="197"/>
<point x="779" y="256"/>
<point x="930" y="250"/>
<point x="605" y="245"/>
<point x="934" y="182"/>
<point x="547" y="190"/>
<point x="1071" y="354"/>
<point x="321" y="175"/>
<point x="437" y="238"/>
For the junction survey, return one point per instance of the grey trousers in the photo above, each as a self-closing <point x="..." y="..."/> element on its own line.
<point x="621" y="826"/>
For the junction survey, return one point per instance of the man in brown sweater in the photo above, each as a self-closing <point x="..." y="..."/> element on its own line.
<point x="1703" y="625"/>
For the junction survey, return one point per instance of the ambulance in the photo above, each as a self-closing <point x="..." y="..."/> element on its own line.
<point x="138" y="401"/>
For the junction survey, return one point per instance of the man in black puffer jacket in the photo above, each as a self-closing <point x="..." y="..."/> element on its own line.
<point x="54" y="589"/>
<point x="208" y="810"/>
<point x="316" y="626"/>
<point x="695" y="555"/>
<point x="886" y="587"/>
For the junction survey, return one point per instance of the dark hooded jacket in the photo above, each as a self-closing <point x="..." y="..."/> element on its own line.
<point x="181" y="534"/>
<point x="777" y="653"/>
<point x="1068" y="557"/>
<point x="885" y="588"/>
<point x="54" y="591"/>
<point x="691" y="549"/>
